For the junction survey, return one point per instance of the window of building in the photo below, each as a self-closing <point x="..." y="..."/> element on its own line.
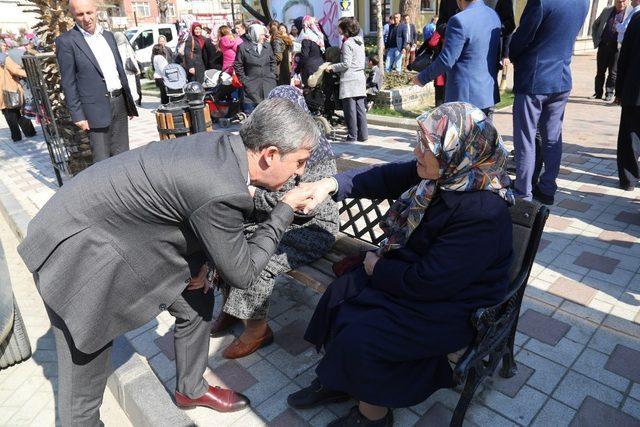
<point x="427" y="5"/>
<point x="386" y="12"/>
<point x="171" y="13"/>
<point x="141" y="9"/>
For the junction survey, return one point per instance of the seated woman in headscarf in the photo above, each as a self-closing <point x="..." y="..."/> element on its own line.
<point x="312" y="47"/>
<point x="304" y="241"/>
<point x="255" y="66"/>
<point x="388" y="323"/>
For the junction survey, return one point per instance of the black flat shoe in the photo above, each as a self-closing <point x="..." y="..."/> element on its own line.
<point x="541" y="197"/>
<point x="315" y="395"/>
<point x="355" y="419"/>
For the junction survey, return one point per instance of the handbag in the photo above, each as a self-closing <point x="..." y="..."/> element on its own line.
<point x="422" y="61"/>
<point x="11" y="99"/>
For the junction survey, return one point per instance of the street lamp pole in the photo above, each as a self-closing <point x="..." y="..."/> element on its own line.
<point x="233" y="13"/>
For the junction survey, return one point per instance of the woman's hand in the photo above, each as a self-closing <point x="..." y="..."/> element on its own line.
<point x="369" y="262"/>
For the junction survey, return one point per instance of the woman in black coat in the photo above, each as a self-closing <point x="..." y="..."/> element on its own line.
<point x="312" y="47"/>
<point x="388" y="323"/>
<point x="255" y="66"/>
<point x="198" y="54"/>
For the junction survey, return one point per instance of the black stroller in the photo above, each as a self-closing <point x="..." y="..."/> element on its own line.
<point x="323" y="98"/>
<point x="222" y="98"/>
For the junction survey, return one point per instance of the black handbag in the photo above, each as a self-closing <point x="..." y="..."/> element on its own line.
<point x="422" y="61"/>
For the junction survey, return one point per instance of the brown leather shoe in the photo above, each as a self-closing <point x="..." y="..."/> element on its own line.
<point x="216" y="398"/>
<point x="238" y="348"/>
<point x="223" y="323"/>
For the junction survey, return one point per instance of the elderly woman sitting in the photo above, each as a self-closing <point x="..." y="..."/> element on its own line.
<point x="389" y="322"/>
<point x="302" y="243"/>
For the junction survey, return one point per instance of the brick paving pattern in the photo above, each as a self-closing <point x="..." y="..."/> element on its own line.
<point x="578" y="343"/>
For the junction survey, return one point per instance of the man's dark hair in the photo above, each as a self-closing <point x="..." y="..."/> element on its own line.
<point x="349" y="26"/>
<point x="405" y="16"/>
<point x="157" y="50"/>
<point x="374" y="60"/>
<point x="241" y="23"/>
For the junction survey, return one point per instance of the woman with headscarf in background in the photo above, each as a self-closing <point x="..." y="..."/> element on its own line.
<point x="388" y="323"/>
<point x="255" y="66"/>
<point x="312" y="47"/>
<point x="281" y="43"/>
<point x="195" y="53"/>
<point x="128" y="56"/>
<point x="306" y="240"/>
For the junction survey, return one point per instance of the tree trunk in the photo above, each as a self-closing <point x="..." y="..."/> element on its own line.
<point x="411" y="8"/>
<point x="378" y="6"/>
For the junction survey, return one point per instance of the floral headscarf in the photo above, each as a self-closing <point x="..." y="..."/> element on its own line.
<point x="310" y="31"/>
<point x="323" y="150"/>
<point x="472" y="157"/>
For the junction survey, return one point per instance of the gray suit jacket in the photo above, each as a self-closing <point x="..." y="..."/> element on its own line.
<point x="353" y="82"/>
<point x="110" y="249"/>
<point x="599" y="25"/>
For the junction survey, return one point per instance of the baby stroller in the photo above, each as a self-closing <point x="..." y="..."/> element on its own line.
<point x="222" y="98"/>
<point x="322" y="94"/>
<point x="174" y="78"/>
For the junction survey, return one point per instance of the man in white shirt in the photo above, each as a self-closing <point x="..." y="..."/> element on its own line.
<point x="95" y="86"/>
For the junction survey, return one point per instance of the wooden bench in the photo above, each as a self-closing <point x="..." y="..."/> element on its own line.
<point x="495" y="326"/>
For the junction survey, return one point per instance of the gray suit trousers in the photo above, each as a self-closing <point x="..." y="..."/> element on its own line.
<point x="114" y="139"/>
<point x="82" y="377"/>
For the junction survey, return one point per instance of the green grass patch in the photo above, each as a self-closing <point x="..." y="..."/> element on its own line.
<point x="406" y="114"/>
<point x="506" y="99"/>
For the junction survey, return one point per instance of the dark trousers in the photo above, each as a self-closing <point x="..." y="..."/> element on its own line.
<point x="82" y="377"/>
<point x="546" y="114"/>
<point x="164" y="98"/>
<point x="607" y="59"/>
<point x="17" y="121"/>
<point x="439" y="93"/>
<point x="139" y="89"/>
<point x="355" y="114"/>
<point x="114" y="139"/>
<point x="628" y="153"/>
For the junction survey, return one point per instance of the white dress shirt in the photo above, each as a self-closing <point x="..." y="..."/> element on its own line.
<point x="104" y="55"/>
<point x="622" y="28"/>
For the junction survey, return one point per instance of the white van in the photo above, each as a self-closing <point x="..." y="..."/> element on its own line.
<point x="144" y="37"/>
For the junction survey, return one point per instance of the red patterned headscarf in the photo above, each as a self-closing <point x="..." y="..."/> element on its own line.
<point x="471" y="155"/>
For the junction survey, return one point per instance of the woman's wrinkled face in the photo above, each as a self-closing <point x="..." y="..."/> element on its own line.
<point x="428" y="165"/>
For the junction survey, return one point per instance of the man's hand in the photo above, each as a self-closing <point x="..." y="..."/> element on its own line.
<point x="201" y="280"/>
<point x="506" y="62"/>
<point x="320" y="191"/>
<point x="83" y="124"/>
<point x="192" y="70"/>
<point x="369" y="262"/>
<point x="298" y="198"/>
<point x="617" y="101"/>
<point x="416" y="81"/>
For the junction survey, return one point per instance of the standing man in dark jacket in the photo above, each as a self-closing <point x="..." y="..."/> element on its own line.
<point x="541" y="50"/>
<point x="95" y="86"/>
<point x="605" y="39"/>
<point x="628" y="95"/>
<point x="394" y="51"/>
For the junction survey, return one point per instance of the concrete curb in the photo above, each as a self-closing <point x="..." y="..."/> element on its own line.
<point x="393" y="122"/>
<point x="136" y="387"/>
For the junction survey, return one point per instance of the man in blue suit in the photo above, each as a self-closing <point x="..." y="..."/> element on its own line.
<point x="541" y="50"/>
<point x="470" y="56"/>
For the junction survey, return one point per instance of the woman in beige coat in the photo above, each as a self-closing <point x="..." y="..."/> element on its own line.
<point x="9" y="74"/>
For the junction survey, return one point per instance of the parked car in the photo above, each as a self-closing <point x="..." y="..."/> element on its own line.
<point x="14" y="343"/>
<point x="143" y="38"/>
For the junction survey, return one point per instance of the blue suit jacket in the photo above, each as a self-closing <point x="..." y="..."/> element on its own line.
<point x="83" y="84"/>
<point x="470" y="57"/>
<point x="401" y="36"/>
<point x="542" y="46"/>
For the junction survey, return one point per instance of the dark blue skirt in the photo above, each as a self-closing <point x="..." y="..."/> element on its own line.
<point x="382" y="349"/>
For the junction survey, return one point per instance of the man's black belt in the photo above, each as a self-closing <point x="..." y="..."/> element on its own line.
<point x="114" y="93"/>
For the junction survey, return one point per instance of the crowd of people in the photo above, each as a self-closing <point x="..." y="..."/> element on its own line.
<point x="156" y="228"/>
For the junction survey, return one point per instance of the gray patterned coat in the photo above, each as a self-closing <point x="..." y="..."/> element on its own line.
<point x="353" y="82"/>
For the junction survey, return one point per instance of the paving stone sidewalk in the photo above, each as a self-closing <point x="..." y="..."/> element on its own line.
<point x="578" y="345"/>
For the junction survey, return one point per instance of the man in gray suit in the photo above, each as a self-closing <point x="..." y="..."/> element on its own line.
<point x="113" y="247"/>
